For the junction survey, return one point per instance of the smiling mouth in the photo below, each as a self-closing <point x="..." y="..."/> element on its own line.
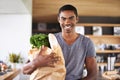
<point x="68" y="29"/>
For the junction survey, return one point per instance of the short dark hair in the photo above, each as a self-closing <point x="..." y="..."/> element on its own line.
<point x="68" y="7"/>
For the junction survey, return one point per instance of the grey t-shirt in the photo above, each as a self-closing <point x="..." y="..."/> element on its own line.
<point x="75" y="55"/>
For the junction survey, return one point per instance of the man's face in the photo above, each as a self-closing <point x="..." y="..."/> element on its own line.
<point x="67" y="20"/>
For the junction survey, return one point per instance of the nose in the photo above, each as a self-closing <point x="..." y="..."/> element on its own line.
<point x="67" y="21"/>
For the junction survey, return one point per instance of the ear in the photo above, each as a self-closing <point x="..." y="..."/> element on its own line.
<point x="58" y="18"/>
<point x="77" y="19"/>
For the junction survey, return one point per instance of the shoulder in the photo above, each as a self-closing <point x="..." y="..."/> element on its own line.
<point x="57" y="35"/>
<point x="86" y="41"/>
<point x="85" y="38"/>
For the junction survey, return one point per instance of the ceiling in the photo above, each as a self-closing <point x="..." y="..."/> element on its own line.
<point x="46" y="10"/>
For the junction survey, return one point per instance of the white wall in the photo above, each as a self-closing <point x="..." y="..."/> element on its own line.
<point x="15" y="6"/>
<point x="28" y="4"/>
<point x="15" y="31"/>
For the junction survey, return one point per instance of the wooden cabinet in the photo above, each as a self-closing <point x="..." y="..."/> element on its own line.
<point x="106" y="39"/>
<point x="110" y="39"/>
<point x="97" y="24"/>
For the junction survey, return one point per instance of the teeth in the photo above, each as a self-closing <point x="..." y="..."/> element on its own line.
<point x="68" y="26"/>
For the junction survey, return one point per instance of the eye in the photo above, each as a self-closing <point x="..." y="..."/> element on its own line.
<point x="62" y="18"/>
<point x="71" y="18"/>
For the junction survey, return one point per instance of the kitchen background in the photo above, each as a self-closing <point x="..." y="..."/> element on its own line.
<point x="18" y="21"/>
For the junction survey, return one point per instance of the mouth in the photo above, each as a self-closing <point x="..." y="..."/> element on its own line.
<point x="68" y="28"/>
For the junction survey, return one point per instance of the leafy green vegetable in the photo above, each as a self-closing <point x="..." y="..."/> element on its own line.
<point x="37" y="40"/>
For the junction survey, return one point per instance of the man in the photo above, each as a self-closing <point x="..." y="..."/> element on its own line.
<point x="77" y="49"/>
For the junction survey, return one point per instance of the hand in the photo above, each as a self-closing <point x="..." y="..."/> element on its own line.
<point x="41" y="61"/>
<point x="45" y="60"/>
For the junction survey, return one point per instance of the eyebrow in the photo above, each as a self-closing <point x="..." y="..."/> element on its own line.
<point x="71" y="17"/>
<point x="68" y="18"/>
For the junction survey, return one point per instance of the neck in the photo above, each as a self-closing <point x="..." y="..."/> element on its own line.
<point x="70" y="37"/>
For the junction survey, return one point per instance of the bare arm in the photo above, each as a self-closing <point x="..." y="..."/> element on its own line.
<point x="29" y="68"/>
<point x="91" y="67"/>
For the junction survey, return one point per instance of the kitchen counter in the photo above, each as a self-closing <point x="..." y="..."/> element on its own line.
<point x="10" y="75"/>
<point x="108" y="76"/>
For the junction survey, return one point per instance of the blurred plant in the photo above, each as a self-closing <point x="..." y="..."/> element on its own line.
<point x="15" y="58"/>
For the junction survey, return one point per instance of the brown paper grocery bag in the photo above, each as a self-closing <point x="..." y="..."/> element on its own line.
<point x="50" y="73"/>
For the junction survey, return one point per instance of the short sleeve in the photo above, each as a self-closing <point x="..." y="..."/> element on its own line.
<point x="90" y="49"/>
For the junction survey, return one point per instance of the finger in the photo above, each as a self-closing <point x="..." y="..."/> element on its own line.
<point x="51" y="64"/>
<point x="58" y="58"/>
<point x="42" y="46"/>
<point x="47" y="57"/>
<point x="42" y="50"/>
<point x="53" y="54"/>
